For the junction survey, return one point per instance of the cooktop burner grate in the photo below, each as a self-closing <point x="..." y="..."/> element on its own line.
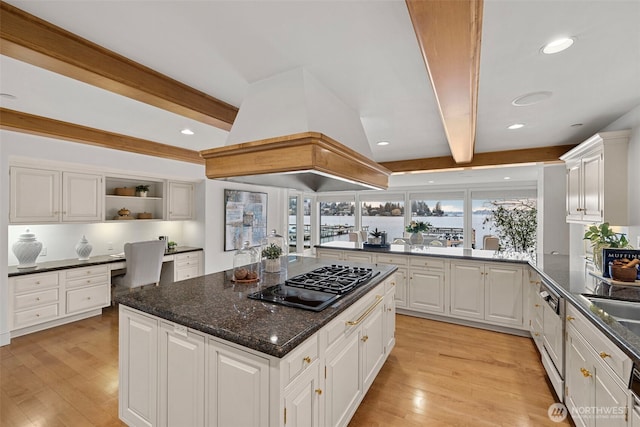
<point x="335" y="279"/>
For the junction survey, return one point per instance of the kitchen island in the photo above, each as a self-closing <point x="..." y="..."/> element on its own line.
<point x="201" y="352"/>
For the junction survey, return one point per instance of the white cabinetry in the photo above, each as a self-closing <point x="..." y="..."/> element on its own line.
<point x="329" y="254"/>
<point x="487" y="291"/>
<point x="33" y="299"/>
<point x="400" y="277"/>
<point x="46" y="196"/>
<point x="597" y="179"/>
<point x="427" y="287"/>
<point x="86" y="288"/>
<point x="180" y="203"/>
<point x="597" y="375"/>
<point x="152" y="203"/>
<point x="187" y="265"/>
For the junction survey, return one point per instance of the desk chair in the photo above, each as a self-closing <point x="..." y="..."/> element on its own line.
<point x="491" y="243"/>
<point x="143" y="264"/>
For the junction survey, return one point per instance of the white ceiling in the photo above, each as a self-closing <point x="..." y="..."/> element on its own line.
<point x="364" y="51"/>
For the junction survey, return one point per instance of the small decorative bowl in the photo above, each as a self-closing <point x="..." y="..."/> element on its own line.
<point x="624" y="274"/>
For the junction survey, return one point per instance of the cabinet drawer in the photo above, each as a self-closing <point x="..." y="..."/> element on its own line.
<point x="193" y="256"/>
<point x="426" y="262"/>
<point x="300" y="359"/>
<point x="607" y="351"/>
<point x="87" y="298"/>
<point x="35" y="315"/>
<point x="187" y="263"/>
<point x="186" y="273"/>
<point x="392" y="259"/>
<point x="88" y="281"/>
<point x="34" y="282"/>
<point x="35" y="299"/>
<point x="75" y="273"/>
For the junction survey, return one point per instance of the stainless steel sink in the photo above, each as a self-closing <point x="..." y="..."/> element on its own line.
<point x="616" y="308"/>
<point x="633" y="326"/>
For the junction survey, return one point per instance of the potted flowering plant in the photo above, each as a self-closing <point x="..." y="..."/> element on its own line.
<point x="416" y="228"/>
<point x="272" y="253"/>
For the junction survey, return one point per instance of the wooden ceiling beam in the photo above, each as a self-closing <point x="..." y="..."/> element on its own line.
<point x="32" y="40"/>
<point x="449" y="34"/>
<point x="37" y="125"/>
<point x="549" y="154"/>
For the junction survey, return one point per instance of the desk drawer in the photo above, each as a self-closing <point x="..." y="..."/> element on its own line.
<point x="35" y="315"/>
<point x="186" y="273"/>
<point x="187" y="263"/>
<point x="193" y="256"/>
<point x="88" y="281"/>
<point x="76" y="273"/>
<point x="87" y="298"/>
<point x="35" y="299"/>
<point x="35" y="282"/>
<point x="426" y="262"/>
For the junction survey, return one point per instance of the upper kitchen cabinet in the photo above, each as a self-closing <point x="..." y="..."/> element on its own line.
<point x="597" y="179"/>
<point x="50" y="196"/>
<point x="180" y="203"/>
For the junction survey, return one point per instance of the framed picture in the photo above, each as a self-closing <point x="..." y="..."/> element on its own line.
<point x="245" y="218"/>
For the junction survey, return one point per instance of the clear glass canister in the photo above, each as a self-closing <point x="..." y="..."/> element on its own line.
<point x="246" y="264"/>
<point x="274" y="250"/>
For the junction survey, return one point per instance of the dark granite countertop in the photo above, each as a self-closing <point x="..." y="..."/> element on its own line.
<point x="215" y="305"/>
<point x="64" y="264"/>
<point x="422" y="250"/>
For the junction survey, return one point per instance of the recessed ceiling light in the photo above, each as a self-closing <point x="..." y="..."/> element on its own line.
<point x="186" y="131"/>
<point x="531" y="98"/>
<point x="431" y="181"/>
<point x="558" y="45"/>
<point x="507" y="177"/>
<point x="383" y="143"/>
<point x="8" y="96"/>
<point x="516" y="126"/>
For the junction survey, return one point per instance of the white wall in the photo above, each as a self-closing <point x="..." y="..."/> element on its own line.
<point x="553" y="230"/>
<point x="206" y="231"/>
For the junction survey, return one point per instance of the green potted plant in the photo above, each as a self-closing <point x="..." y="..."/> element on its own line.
<point x="171" y="245"/>
<point x="375" y="238"/>
<point x="142" y="190"/>
<point x="272" y="253"/>
<point x="602" y="236"/>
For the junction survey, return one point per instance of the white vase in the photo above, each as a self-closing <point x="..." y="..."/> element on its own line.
<point x="272" y="265"/>
<point x="416" y="238"/>
<point x="83" y="249"/>
<point x="26" y="249"/>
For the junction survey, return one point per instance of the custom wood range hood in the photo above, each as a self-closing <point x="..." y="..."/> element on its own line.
<point x="286" y="135"/>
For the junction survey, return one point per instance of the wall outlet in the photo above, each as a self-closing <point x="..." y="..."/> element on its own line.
<point x="43" y="252"/>
<point x="109" y="246"/>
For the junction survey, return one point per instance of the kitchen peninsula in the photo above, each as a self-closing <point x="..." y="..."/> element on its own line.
<point x="201" y="352"/>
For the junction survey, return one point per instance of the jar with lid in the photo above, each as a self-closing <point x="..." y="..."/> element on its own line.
<point x="274" y="250"/>
<point x="246" y="264"/>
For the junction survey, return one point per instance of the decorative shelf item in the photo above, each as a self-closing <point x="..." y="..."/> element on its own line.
<point x="125" y="191"/>
<point x="27" y="249"/>
<point x="83" y="249"/>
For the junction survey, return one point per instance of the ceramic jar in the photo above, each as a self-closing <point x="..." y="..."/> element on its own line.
<point x="274" y="251"/>
<point x="83" y="249"/>
<point x="27" y="249"/>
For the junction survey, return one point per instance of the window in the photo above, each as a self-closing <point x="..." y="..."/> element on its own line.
<point x="445" y="213"/>
<point x="384" y="212"/>
<point x="299" y="220"/>
<point x="337" y="218"/>
<point x="489" y="235"/>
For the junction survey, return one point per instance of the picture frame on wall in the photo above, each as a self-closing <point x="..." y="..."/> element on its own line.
<point x="245" y="218"/>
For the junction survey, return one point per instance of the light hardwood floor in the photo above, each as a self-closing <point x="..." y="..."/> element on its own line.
<point x="438" y="375"/>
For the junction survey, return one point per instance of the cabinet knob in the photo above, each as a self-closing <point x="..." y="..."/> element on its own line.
<point x="37" y="314"/>
<point x="604" y="355"/>
<point x="393" y="283"/>
<point x="536" y="305"/>
<point x="585" y="372"/>
<point x="365" y="338"/>
<point x="536" y="334"/>
<point x="318" y="391"/>
<point x="570" y="318"/>
<point x="307" y="359"/>
<point x="37" y="282"/>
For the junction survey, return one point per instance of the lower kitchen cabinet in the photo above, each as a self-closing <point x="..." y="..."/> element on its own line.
<point x="467" y="289"/>
<point x="427" y="291"/>
<point x="343" y="380"/>
<point x="597" y="375"/>
<point x="302" y="399"/>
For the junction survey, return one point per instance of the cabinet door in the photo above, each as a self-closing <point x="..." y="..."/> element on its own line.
<point x="426" y="291"/>
<point x="574" y="192"/>
<point x="611" y="401"/>
<point x="357" y="257"/>
<point x="467" y="290"/>
<point x="182" y="379"/>
<point x="579" y="376"/>
<point x="302" y="399"/>
<point x="389" y="322"/>
<point x="503" y="294"/>
<point x="329" y="254"/>
<point x="552" y="327"/>
<point x="373" y="343"/>
<point x="35" y="195"/>
<point x="238" y="387"/>
<point x="138" y="373"/>
<point x="82" y="197"/>
<point x="592" y="188"/>
<point x="180" y="201"/>
<point x="343" y="380"/>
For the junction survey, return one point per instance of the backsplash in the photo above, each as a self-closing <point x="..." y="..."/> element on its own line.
<point x="59" y="240"/>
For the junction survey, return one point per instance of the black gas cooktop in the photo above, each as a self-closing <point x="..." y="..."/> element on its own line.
<point x="316" y="289"/>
